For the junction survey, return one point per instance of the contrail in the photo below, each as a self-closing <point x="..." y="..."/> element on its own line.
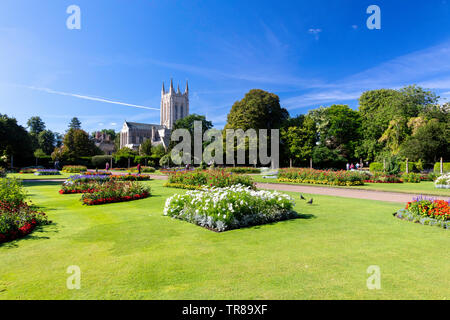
<point x="91" y="98"/>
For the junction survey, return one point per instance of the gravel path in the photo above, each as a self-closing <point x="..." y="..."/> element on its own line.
<point x="341" y="192"/>
<point x="328" y="191"/>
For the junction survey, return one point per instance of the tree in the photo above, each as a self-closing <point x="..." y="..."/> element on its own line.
<point x="75" y="124"/>
<point x="429" y="142"/>
<point x="125" y="156"/>
<point x="76" y="144"/>
<point x="14" y="141"/>
<point x="258" y="109"/>
<point x="298" y="141"/>
<point x="188" y="124"/>
<point x="385" y="114"/>
<point x="339" y="129"/>
<point x="145" y="149"/>
<point x="36" y="125"/>
<point x="46" y="140"/>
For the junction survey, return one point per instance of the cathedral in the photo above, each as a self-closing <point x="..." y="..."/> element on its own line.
<point x="174" y="106"/>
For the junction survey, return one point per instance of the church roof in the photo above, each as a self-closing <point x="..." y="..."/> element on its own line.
<point x="142" y="126"/>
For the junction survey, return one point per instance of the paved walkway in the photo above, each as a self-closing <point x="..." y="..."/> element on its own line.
<point x="328" y="191"/>
<point x="343" y="192"/>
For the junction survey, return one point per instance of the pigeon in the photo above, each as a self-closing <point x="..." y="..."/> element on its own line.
<point x="310" y="201"/>
<point x="302" y="197"/>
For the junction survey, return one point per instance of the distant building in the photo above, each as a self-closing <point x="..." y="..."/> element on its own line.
<point x="104" y="142"/>
<point x="174" y="106"/>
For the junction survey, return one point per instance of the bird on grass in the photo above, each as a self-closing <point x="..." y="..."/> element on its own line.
<point x="302" y="197"/>
<point x="310" y="201"/>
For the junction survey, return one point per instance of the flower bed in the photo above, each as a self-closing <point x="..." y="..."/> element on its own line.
<point x="443" y="182"/>
<point x="328" y="177"/>
<point x="81" y="187"/>
<point x="427" y="211"/>
<point x="209" y="178"/>
<point x="97" y="173"/>
<point x="88" y="178"/>
<point x="116" y="191"/>
<point x="17" y="218"/>
<point x="411" y="177"/>
<point x="222" y="209"/>
<point x="47" y="172"/>
<point x="244" y="170"/>
<point x="74" y="169"/>
<point x="130" y="177"/>
<point x="383" y="178"/>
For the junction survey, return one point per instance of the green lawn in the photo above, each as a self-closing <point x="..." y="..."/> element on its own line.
<point x="130" y="251"/>
<point x="31" y="176"/>
<point x="424" y="187"/>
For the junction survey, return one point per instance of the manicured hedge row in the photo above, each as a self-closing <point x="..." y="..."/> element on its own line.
<point x="437" y="167"/>
<point x="209" y="178"/>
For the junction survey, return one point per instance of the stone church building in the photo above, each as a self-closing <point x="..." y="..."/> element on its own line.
<point x="174" y="106"/>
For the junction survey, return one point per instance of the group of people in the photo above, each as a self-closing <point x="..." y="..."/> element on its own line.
<point x="351" y="166"/>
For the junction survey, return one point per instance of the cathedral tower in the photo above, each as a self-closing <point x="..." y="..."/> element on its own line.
<point x="174" y="105"/>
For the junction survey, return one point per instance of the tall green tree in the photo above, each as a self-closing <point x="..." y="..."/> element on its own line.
<point x="46" y="140"/>
<point x="35" y="125"/>
<point x="75" y="124"/>
<point x="15" y="141"/>
<point x="76" y="144"/>
<point x="258" y="109"/>
<point x="298" y="140"/>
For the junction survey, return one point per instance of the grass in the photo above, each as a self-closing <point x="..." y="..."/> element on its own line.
<point x="31" y="176"/>
<point x="424" y="187"/>
<point x="130" y="251"/>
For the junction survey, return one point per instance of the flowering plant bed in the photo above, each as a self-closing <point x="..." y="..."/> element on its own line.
<point x="97" y="173"/>
<point x="17" y="221"/>
<point x="427" y="211"/>
<point x="87" y="178"/>
<point x="47" y="172"/>
<point x="244" y="170"/>
<point x="116" y="191"/>
<point x="328" y="177"/>
<point x="443" y="182"/>
<point x="222" y="209"/>
<point x="383" y="178"/>
<point x="82" y="187"/>
<point x="130" y="177"/>
<point x="144" y="169"/>
<point x="209" y="178"/>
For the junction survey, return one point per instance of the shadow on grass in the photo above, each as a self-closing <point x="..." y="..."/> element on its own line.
<point x="35" y="235"/>
<point x="32" y="183"/>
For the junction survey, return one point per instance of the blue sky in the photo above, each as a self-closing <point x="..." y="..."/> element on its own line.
<point x="310" y="53"/>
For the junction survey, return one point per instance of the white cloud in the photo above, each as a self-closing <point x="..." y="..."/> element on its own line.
<point x="315" y="32"/>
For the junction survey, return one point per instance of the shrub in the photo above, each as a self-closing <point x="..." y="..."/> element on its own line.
<point x="19" y="220"/>
<point x="100" y="161"/>
<point x="210" y="178"/>
<point x="244" y="170"/>
<point x="74" y="169"/>
<point x="437" y="167"/>
<point x="411" y="166"/>
<point x="376" y="167"/>
<point x="383" y="178"/>
<point x="12" y="191"/>
<point x="328" y="177"/>
<point x="443" y="182"/>
<point x="143" y="169"/>
<point x="114" y="191"/>
<point x="2" y="173"/>
<point x="228" y="208"/>
<point x="411" y="177"/>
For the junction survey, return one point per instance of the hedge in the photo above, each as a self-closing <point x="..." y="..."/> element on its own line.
<point x="411" y="166"/>
<point x="100" y="161"/>
<point x="437" y="167"/>
<point x="376" y="167"/>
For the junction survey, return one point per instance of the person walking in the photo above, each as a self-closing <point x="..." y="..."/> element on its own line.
<point x="357" y="166"/>
<point x="347" y="166"/>
<point x="107" y="166"/>
<point x="352" y="167"/>
<point x="139" y="168"/>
